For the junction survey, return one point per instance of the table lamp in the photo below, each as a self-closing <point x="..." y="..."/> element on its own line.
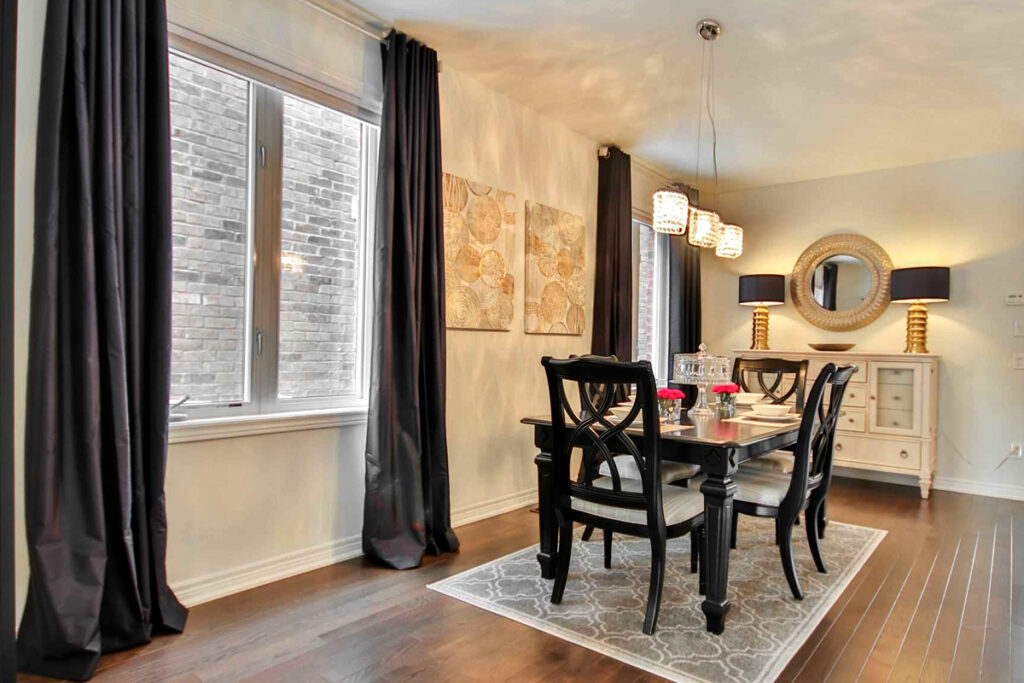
<point x="762" y="291"/>
<point x="919" y="287"/>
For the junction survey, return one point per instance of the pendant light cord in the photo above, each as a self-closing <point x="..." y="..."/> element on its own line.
<point x="710" y="101"/>
<point x="700" y="112"/>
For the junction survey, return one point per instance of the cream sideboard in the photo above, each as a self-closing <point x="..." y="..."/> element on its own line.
<point x="890" y="410"/>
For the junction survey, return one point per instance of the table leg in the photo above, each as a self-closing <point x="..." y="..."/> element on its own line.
<point x="548" y="525"/>
<point x="718" y="490"/>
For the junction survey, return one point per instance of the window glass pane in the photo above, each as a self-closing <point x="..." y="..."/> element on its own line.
<point x="321" y="252"/>
<point x="210" y="141"/>
<point x="646" y="293"/>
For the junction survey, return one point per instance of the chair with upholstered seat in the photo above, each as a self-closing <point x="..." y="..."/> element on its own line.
<point x="779" y="380"/>
<point x="644" y="506"/>
<point x="783" y="497"/>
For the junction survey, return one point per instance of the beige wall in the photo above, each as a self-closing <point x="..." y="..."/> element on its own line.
<point x="967" y="214"/>
<point x="494" y="378"/>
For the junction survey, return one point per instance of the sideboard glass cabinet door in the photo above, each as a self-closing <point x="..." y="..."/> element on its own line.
<point x="894" y="401"/>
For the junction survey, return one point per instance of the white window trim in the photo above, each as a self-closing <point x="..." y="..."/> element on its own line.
<point x="659" y="313"/>
<point x="233" y="419"/>
<point x="210" y="429"/>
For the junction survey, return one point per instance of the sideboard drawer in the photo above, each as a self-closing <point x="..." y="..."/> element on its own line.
<point x="860" y="452"/>
<point x="860" y="377"/>
<point x="852" y="420"/>
<point x="895" y="419"/>
<point x="895" y="396"/>
<point x="855" y="396"/>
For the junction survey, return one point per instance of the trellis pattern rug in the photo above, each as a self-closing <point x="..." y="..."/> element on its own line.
<point x="603" y="609"/>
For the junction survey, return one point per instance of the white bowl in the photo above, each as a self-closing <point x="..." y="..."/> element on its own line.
<point x="746" y="399"/>
<point x="770" y="409"/>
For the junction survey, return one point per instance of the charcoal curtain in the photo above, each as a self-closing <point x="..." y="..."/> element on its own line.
<point x="613" y="285"/>
<point x="684" y="307"/>
<point x="406" y="511"/>
<point x="100" y="340"/>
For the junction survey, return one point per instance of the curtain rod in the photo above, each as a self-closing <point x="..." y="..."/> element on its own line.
<point x="345" y="20"/>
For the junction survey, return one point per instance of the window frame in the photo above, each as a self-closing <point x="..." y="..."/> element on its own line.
<point x="264" y="160"/>
<point x="659" y="310"/>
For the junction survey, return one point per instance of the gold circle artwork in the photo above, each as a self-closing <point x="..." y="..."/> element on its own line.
<point x="467" y="263"/>
<point x="553" y="302"/>
<point x="479" y="236"/>
<point x="478" y="189"/>
<point x="871" y="307"/>
<point x="555" y="288"/>
<point x="492" y="268"/>
<point x="575" y="319"/>
<point x="462" y="307"/>
<point x="455" y="194"/>
<point x="575" y="289"/>
<point x="484" y="218"/>
<point x="565" y="264"/>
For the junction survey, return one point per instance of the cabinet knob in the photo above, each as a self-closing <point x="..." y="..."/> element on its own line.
<point x="904" y="455"/>
<point x="839" y="446"/>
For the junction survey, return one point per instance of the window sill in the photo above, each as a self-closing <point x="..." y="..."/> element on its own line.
<point x="209" y="429"/>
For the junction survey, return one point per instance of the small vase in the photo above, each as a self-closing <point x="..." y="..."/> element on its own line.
<point x="726" y="404"/>
<point x="668" y="409"/>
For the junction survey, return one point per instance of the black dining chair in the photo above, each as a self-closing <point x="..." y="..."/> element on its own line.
<point x="783" y="497"/>
<point x="780" y="380"/>
<point x="645" y="507"/>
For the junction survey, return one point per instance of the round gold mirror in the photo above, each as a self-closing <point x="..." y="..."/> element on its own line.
<point x="841" y="282"/>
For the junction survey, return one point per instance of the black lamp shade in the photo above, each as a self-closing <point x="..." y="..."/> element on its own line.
<point x="762" y="290"/>
<point x="924" y="285"/>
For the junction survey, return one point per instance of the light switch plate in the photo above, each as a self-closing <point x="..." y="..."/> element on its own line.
<point x="1018" y="328"/>
<point x="1015" y="299"/>
<point x="1018" y="361"/>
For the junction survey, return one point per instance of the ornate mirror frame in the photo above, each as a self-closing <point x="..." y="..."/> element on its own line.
<point x="868" y="251"/>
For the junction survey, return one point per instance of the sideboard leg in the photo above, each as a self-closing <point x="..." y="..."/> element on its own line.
<point x="926" y="486"/>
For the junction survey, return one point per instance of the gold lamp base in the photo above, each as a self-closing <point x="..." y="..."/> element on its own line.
<point x="917" y="329"/>
<point x="759" y="337"/>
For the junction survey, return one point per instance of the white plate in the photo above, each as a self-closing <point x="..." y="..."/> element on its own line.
<point x="788" y="417"/>
<point x="748" y="399"/>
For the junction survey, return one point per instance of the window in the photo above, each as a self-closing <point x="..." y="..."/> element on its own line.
<point x="270" y="208"/>
<point x="651" y="297"/>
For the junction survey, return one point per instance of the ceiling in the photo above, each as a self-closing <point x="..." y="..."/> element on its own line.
<point x="804" y="89"/>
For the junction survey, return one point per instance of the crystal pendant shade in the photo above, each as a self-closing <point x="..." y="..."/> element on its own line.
<point x="671" y="212"/>
<point x="704" y="228"/>
<point x="730" y="241"/>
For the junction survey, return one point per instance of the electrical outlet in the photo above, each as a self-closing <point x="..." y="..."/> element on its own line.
<point x="1018" y="328"/>
<point x="1017" y="450"/>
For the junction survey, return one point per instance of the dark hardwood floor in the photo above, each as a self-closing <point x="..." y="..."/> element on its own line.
<point x="941" y="599"/>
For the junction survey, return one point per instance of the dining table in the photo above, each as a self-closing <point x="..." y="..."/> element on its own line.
<point x="718" y="446"/>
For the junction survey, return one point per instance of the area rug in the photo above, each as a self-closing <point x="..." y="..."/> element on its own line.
<point x="603" y="609"/>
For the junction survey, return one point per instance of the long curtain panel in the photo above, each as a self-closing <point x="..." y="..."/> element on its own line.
<point x="100" y="340"/>
<point x="613" y="284"/>
<point x="684" y="304"/>
<point x="406" y="511"/>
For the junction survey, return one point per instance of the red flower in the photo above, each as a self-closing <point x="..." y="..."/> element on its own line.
<point x="725" y="388"/>
<point x="671" y="394"/>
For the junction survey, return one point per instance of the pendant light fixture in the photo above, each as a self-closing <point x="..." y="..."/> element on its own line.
<point x="704" y="227"/>
<point x="671" y="211"/>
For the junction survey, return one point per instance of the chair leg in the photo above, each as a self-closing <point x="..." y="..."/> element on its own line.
<point x="657" y="582"/>
<point x="588" y="531"/>
<point x="607" y="549"/>
<point x="694" y="550"/>
<point x="813" y="533"/>
<point x="735" y="526"/>
<point x="562" y="562"/>
<point x="786" y="552"/>
<point x="822" y="518"/>
<point x="702" y="581"/>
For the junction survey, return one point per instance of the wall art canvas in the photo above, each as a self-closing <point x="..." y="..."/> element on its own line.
<point x="479" y="236"/>
<point x="555" y="288"/>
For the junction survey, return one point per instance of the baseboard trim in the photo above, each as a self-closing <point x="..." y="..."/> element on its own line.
<point x="499" y="506"/>
<point x="978" y="488"/>
<point x="237" y="579"/>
